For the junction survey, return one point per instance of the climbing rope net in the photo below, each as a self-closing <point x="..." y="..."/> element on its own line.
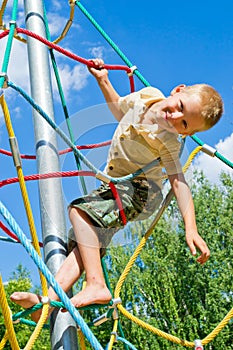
<point x="32" y="246"/>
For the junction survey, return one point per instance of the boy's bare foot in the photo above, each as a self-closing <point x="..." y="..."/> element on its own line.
<point x="92" y="294"/>
<point x="27" y="300"/>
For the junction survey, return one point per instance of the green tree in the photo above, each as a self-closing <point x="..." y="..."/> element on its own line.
<point x="167" y="288"/>
<point x="21" y="281"/>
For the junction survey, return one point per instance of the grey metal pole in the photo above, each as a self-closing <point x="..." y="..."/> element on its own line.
<point x="63" y="329"/>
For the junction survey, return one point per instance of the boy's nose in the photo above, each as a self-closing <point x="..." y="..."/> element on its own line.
<point x="174" y="115"/>
<point x="177" y="114"/>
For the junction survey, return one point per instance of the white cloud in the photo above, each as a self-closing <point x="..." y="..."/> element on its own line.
<point x="18" y="63"/>
<point x="57" y="5"/>
<point x="56" y="23"/>
<point x="212" y="166"/>
<point x="97" y="51"/>
<point x="73" y="79"/>
<point x="10" y="3"/>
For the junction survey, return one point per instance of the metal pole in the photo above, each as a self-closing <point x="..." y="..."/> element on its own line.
<point x="63" y="329"/>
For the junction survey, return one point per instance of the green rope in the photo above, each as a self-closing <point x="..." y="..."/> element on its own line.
<point x="57" y="304"/>
<point x="64" y="105"/>
<point x="9" y="42"/>
<point x="217" y="154"/>
<point x="105" y="272"/>
<point x="136" y="72"/>
<point x="111" y="42"/>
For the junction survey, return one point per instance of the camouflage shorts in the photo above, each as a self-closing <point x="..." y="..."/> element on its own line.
<point x="139" y="197"/>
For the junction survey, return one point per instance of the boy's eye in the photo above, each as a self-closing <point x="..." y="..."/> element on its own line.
<point x="181" y="106"/>
<point x="185" y="124"/>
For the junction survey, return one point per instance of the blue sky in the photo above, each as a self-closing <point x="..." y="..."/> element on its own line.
<point x="170" y="43"/>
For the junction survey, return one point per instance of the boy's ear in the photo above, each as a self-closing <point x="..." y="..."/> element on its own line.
<point x="178" y="88"/>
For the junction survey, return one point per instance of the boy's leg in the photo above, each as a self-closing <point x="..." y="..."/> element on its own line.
<point x="67" y="275"/>
<point x="96" y="290"/>
<point x="72" y="268"/>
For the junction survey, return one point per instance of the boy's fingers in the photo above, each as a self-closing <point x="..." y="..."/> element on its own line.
<point x="204" y="256"/>
<point x="98" y="62"/>
<point x="205" y="253"/>
<point x="191" y="247"/>
<point x="193" y="250"/>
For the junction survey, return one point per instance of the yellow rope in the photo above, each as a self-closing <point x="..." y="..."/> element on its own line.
<point x="2" y="13"/>
<point x="128" y="267"/>
<point x="56" y="41"/>
<point x="68" y="24"/>
<point x="7" y="318"/>
<point x="45" y="308"/>
<point x="218" y="329"/>
<point x="23" y="188"/>
<point x="81" y="339"/>
<point x="2" y="25"/>
<point x="149" y="231"/>
<point x="153" y="329"/>
<point x="191" y="157"/>
<point x="142" y="244"/>
<point x="29" y="217"/>
<point x="4" y="340"/>
<point x="20" y="38"/>
<point x="39" y="326"/>
<point x="113" y="335"/>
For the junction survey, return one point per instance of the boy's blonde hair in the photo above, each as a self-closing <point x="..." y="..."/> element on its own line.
<point x="211" y="101"/>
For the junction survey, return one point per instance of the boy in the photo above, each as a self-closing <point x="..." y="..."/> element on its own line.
<point x="148" y="128"/>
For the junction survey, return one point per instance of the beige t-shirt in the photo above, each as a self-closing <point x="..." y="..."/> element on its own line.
<point x="135" y="145"/>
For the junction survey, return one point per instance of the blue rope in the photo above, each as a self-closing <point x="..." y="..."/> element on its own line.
<point x="126" y="342"/>
<point x="73" y="147"/>
<point x="123" y="341"/>
<point x="49" y="277"/>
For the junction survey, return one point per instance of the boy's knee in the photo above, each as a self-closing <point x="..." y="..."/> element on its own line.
<point x="73" y="212"/>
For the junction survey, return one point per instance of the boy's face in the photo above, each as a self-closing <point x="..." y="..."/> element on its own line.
<point x="180" y="112"/>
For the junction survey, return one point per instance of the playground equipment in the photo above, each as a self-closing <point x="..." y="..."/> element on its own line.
<point x="37" y="34"/>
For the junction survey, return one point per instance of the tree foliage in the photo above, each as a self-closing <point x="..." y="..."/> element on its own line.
<point x="166" y="287"/>
<point x="21" y="281"/>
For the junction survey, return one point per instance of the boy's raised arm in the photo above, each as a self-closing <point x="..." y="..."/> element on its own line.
<point x="185" y="202"/>
<point x="110" y="94"/>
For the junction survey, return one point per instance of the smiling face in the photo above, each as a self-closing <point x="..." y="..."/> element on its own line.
<point x="180" y="113"/>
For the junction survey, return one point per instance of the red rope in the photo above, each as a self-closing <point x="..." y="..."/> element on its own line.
<point x="70" y="54"/>
<point x="26" y="156"/>
<point x="119" y="202"/>
<point x="3" y="34"/>
<point x="23" y="156"/>
<point x="11" y="234"/>
<point x="90" y="64"/>
<point x="69" y="174"/>
<point x="47" y="176"/>
<point x="132" y="86"/>
<point x="67" y="53"/>
<point x="8" y="232"/>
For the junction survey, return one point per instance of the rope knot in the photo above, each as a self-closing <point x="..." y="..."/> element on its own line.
<point x="198" y="345"/>
<point x="5" y="77"/>
<point x="132" y="69"/>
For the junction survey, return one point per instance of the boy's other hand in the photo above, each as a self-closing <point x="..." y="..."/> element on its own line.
<point x="98" y="70"/>
<point x="194" y="240"/>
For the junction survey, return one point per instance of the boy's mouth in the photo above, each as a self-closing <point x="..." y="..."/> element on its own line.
<point x="167" y="121"/>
